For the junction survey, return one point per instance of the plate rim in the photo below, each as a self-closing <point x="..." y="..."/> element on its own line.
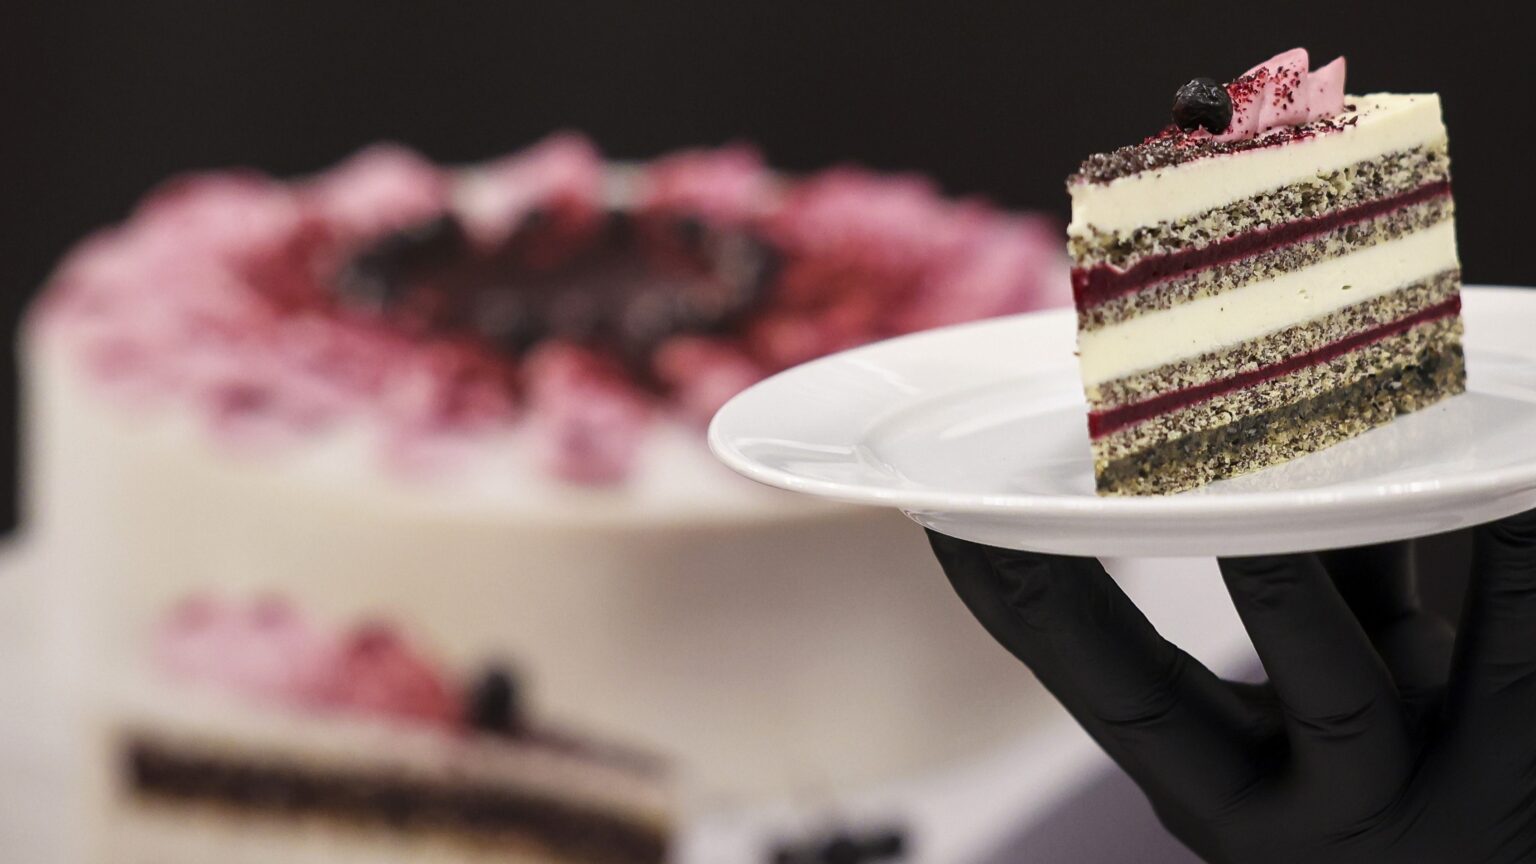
<point x="1412" y="494"/>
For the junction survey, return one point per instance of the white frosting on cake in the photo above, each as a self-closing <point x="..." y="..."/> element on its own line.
<point x="1158" y="337"/>
<point x="1386" y="123"/>
<point x="771" y="643"/>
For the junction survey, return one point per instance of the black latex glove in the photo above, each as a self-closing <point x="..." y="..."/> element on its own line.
<point x="1374" y="740"/>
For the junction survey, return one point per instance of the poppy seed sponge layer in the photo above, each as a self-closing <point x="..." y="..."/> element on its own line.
<point x="1244" y="302"/>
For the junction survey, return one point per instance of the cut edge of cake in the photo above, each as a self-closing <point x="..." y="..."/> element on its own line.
<point x="1246" y="301"/>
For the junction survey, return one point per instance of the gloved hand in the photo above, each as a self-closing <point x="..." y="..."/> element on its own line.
<point x="1374" y="740"/>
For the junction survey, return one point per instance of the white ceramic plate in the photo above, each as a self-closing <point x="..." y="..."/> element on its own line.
<point x="979" y="431"/>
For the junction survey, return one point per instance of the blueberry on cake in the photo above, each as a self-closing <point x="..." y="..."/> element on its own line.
<point x="1273" y="273"/>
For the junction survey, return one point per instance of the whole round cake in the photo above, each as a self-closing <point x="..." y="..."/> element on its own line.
<point x="470" y="402"/>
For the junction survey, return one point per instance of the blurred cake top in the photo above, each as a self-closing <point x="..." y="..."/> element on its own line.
<point x="576" y="301"/>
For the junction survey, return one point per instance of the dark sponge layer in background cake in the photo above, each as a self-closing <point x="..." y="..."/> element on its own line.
<point x="475" y="813"/>
<point x="1268" y="438"/>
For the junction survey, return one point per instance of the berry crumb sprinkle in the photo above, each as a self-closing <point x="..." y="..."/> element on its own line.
<point x="1275" y="103"/>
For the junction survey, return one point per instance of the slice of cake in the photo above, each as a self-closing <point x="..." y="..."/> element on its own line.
<point x="1272" y="274"/>
<point x="260" y="736"/>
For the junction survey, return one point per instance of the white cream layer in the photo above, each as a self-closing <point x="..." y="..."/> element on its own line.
<point x="1232" y="317"/>
<point x="1387" y="123"/>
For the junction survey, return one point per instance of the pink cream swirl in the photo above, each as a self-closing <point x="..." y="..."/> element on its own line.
<point x="268" y="653"/>
<point x="1281" y="92"/>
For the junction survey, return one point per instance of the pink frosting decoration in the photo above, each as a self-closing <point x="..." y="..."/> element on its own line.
<point x="263" y="650"/>
<point x="858" y="219"/>
<point x="1325" y="90"/>
<point x="870" y="257"/>
<point x="383" y="188"/>
<point x="703" y="373"/>
<point x="448" y="383"/>
<point x="731" y="184"/>
<point x="563" y="174"/>
<point x="587" y="416"/>
<point x="221" y="292"/>
<point x="1281" y="92"/>
<point x="998" y="273"/>
<point x="377" y="673"/>
<point x="859" y="248"/>
<point x="267" y="652"/>
<point x="253" y="229"/>
<point x="1284" y="98"/>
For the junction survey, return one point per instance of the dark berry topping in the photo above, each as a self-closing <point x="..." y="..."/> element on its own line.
<point x="887" y="845"/>
<point x="374" y="278"/>
<point x="535" y="217"/>
<point x="625" y="283"/>
<point x="844" y="847"/>
<point x="1172" y="147"/>
<point x="620" y="229"/>
<point x="690" y="231"/>
<point x="1202" y="103"/>
<point x="495" y="703"/>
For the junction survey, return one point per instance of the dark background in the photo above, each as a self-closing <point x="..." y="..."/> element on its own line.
<point x="102" y="100"/>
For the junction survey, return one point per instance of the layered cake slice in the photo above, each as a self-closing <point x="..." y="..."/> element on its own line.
<point x="259" y="735"/>
<point x="1272" y="274"/>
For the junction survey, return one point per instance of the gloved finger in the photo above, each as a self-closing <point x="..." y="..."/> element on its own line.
<point x="1171" y="724"/>
<point x="1345" y="725"/>
<point x="1264" y="719"/>
<point x="1377" y="582"/>
<point x="1380" y="585"/>
<point x="1494" y="678"/>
